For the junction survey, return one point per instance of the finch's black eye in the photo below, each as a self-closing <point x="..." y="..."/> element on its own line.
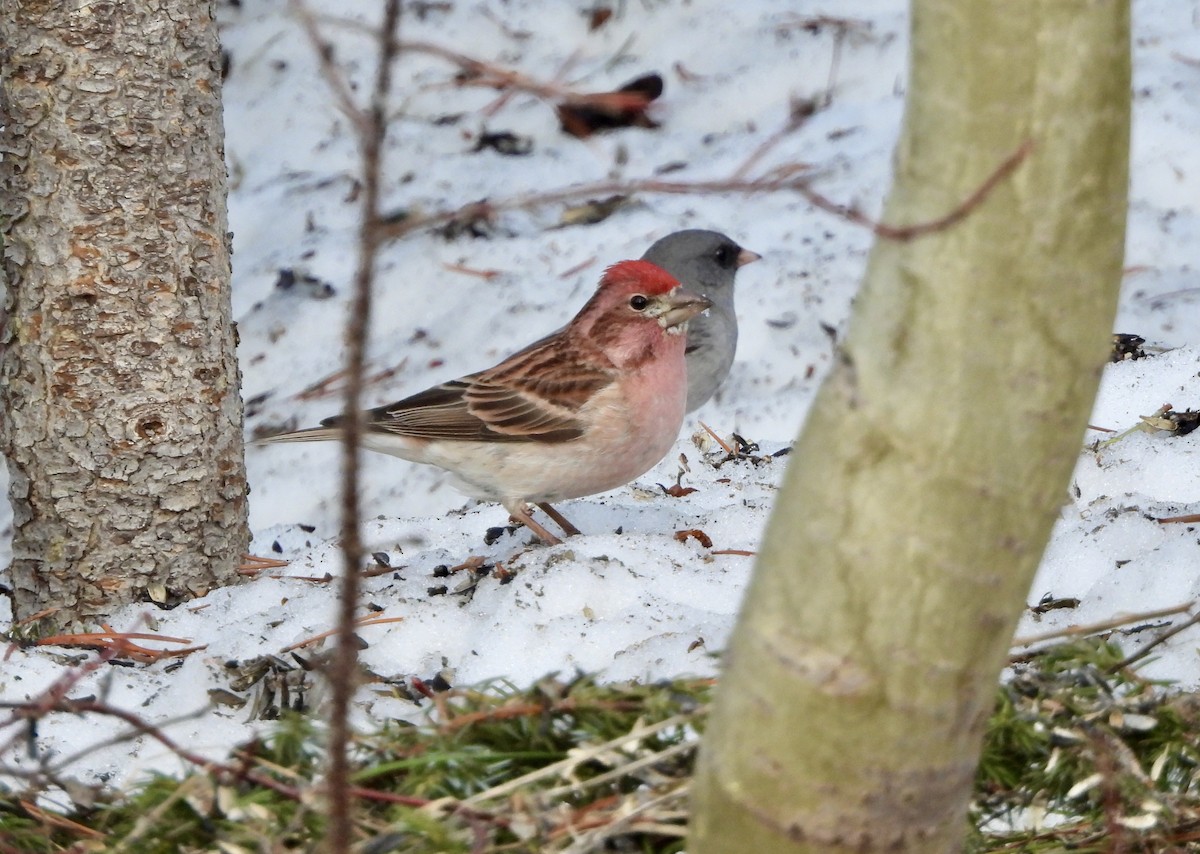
<point x="726" y="255"/>
<point x="638" y="302"/>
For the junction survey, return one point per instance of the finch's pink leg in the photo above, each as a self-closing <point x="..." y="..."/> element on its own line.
<point x="559" y="519"/>
<point x="521" y="515"/>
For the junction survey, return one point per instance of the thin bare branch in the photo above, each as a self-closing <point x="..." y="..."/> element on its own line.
<point x="490" y="75"/>
<point x="372" y="125"/>
<point x="477" y="72"/>
<point x="42" y="708"/>
<point x="783" y="179"/>
<point x="1152" y="645"/>
<point x="359" y="623"/>
<point x="53" y="694"/>
<point x="1103" y="625"/>
<point x="800" y="111"/>
<point x="1006" y="168"/>
<point x="330" y="70"/>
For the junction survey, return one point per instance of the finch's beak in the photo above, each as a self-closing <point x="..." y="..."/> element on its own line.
<point x="746" y="257"/>
<point x="679" y="306"/>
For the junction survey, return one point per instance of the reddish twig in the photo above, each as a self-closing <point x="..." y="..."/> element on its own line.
<point x="449" y="722"/>
<point x="121" y="643"/>
<point x="33" y="618"/>
<point x="486" y="275"/>
<point x="582" y="265"/>
<point x="724" y="445"/>
<point x="56" y="820"/>
<point x="358" y="624"/>
<point x="1187" y="519"/>
<point x="253" y="564"/>
<point x="333" y="383"/>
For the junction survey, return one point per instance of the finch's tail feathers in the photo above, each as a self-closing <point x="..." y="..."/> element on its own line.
<point x="312" y="434"/>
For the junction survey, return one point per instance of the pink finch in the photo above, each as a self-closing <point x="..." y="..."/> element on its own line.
<point x="705" y="262"/>
<point x="584" y="410"/>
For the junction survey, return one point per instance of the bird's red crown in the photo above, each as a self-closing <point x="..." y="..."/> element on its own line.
<point x="639" y="277"/>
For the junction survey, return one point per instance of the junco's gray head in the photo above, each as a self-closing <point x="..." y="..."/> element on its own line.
<point x="706" y="263"/>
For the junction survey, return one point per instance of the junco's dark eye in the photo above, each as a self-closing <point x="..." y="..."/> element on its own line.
<point x="638" y="302"/>
<point x="727" y="255"/>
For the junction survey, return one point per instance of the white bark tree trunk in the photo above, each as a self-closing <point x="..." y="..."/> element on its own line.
<point x="122" y="418"/>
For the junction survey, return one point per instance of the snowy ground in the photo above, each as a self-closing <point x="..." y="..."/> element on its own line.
<point x="639" y="604"/>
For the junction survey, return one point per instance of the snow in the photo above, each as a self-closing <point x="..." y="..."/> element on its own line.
<point x="638" y="604"/>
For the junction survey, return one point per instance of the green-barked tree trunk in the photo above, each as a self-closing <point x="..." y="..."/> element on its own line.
<point x="924" y="486"/>
<point x="122" y="420"/>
